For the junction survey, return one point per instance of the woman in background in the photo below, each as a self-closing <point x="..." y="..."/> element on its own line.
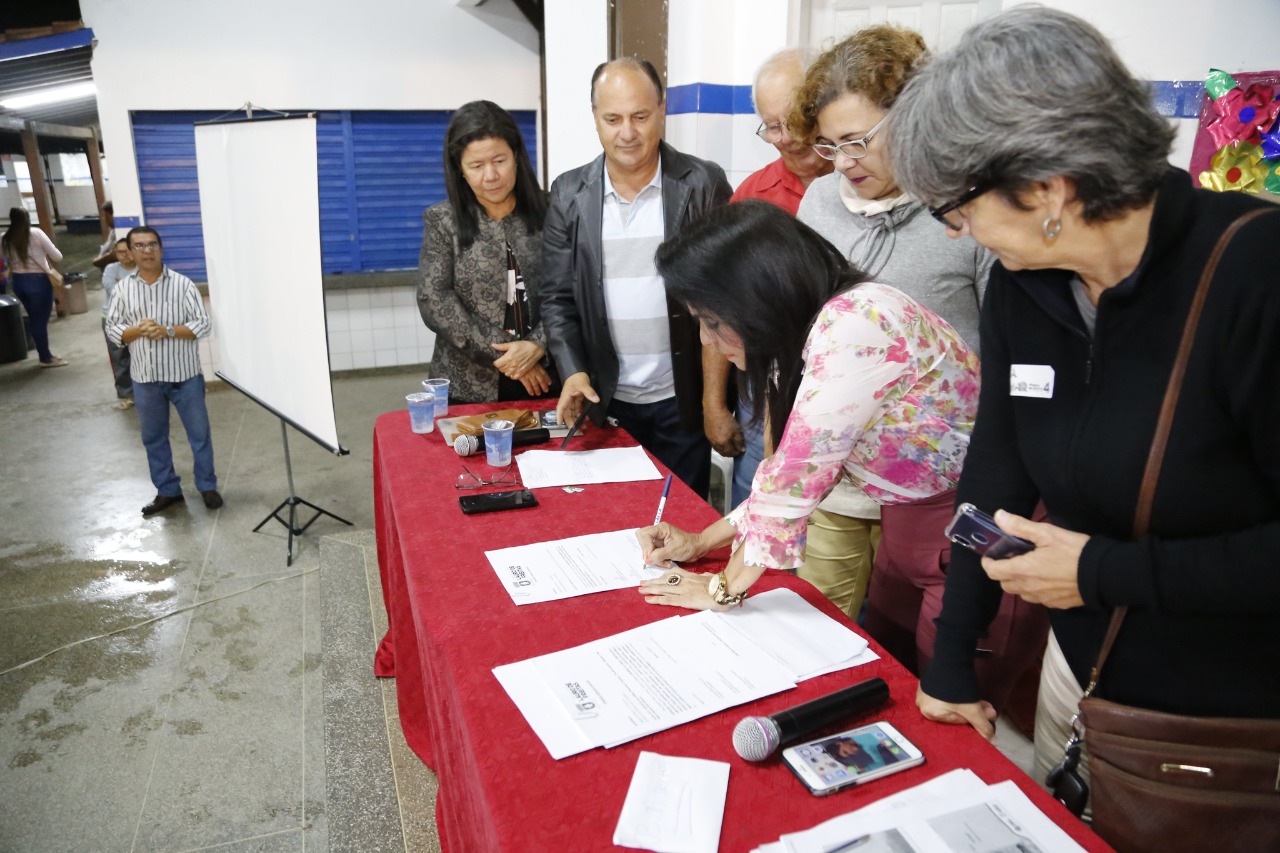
<point x="30" y="256"/>
<point x="841" y="109"/>
<point x="494" y="203"/>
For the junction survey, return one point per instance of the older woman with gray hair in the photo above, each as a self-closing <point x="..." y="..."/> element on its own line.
<point x="1033" y="138"/>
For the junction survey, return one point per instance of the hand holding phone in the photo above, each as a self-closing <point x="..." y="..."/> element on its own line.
<point x="850" y="758"/>
<point x="977" y="531"/>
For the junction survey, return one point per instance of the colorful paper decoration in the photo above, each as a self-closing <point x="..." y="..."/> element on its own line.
<point x="1240" y="124"/>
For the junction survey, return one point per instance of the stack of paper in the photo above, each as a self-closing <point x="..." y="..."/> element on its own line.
<point x="660" y="675"/>
<point x="954" y="813"/>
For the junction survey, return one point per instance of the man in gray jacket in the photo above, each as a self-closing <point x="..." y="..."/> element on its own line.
<point x="617" y="342"/>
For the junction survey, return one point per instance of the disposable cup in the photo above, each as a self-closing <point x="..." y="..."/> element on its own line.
<point x="422" y="411"/>
<point x="440" y="388"/>
<point x="497" y="442"/>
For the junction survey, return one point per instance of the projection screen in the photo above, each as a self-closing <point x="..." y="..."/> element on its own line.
<point x="260" y="205"/>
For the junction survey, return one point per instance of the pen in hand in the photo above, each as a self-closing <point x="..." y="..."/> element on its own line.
<point x="662" y="502"/>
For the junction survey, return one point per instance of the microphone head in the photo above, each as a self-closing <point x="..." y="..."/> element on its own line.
<point x="466" y="445"/>
<point x="756" y="738"/>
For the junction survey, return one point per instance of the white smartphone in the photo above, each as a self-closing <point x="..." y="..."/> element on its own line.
<point x="850" y="758"/>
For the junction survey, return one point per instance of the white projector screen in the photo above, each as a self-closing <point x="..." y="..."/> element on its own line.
<point x="260" y="205"/>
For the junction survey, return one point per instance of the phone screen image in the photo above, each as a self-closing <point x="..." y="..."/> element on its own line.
<point x="835" y="762"/>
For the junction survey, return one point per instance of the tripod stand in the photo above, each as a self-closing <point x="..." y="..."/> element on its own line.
<point x="292" y="503"/>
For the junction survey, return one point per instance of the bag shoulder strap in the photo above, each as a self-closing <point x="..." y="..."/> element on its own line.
<point x="1155" y="457"/>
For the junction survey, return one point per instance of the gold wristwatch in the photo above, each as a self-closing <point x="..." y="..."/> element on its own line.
<point x="719" y="590"/>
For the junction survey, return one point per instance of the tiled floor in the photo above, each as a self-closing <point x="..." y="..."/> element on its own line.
<point x="216" y="727"/>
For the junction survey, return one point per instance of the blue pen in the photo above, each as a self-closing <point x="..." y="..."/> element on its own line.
<point x="662" y="502"/>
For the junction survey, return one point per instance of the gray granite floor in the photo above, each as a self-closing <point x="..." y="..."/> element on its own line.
<point x="246" y="716"/>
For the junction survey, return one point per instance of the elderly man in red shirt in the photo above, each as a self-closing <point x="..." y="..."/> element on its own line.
<point x="783" y="181"/>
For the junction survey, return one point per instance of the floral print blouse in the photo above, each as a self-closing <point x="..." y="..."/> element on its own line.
<point x="888" y="399"/>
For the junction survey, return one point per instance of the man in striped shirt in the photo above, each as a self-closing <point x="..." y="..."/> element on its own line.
<point x="617" y="341"/>
<point x="158" y="314"/>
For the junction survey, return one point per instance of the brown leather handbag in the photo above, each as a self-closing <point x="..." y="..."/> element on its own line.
<point x="1170" y="781"/>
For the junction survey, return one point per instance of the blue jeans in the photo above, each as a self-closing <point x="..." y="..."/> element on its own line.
<point x="35" y="292"/>
<point x="744" y="467"/>
<point x="152" y="400"/>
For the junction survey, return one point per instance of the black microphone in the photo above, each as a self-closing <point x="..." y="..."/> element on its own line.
<point x="470" y="445"/>
<point x="756" y="738"/>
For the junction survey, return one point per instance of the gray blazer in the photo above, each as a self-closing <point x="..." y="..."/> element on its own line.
<point x="571" y="294"/>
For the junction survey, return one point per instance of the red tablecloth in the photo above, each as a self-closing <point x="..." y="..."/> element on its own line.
<point x="452" y="622"/>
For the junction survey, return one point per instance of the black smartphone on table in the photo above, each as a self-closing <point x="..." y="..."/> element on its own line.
<point x="497" y="501"/>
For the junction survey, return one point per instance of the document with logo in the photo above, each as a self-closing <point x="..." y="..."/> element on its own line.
<point x="563" y="568"/>
<point x="666" y="673"/>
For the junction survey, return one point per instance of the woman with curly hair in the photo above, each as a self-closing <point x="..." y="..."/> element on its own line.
<point x="842" y="109"/>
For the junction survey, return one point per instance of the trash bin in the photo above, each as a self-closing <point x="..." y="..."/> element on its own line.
<point x="13" y="334"/>
<point x="74" y="297"/>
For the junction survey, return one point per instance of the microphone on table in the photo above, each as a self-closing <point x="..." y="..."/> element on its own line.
<point x="756" y="738"/>
<point x="470" y="445"/>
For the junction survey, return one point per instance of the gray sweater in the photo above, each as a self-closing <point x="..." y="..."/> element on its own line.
<point x="907" y="249"/>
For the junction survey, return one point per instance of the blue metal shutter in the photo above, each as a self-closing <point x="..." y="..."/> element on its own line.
<point x="377" y="172"/>
<point x="165" y="146"/>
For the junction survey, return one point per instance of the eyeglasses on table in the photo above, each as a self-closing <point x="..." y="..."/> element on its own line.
<point x="471" y="480"/>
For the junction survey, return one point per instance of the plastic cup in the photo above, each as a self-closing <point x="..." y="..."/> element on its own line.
<point x="439" y="387"/>
<point x="422" y="411"/>
<point x="497" y="442"/>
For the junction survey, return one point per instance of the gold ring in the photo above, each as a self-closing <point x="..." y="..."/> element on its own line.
<point x="673" y="580"/>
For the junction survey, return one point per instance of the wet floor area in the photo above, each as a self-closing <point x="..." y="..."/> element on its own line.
<point x="163" y="679"/>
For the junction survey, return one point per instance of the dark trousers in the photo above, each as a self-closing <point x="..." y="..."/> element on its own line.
<point x="119" y="357"/>
<point x="35" y="292"/>
<point x="657" y="427"/>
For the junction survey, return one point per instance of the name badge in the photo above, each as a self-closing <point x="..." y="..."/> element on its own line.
<point x="1031" y="380"/>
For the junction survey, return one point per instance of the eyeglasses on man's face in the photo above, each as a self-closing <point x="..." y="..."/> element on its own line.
<point x="771" y="133"/>
<point x="146" y="247"/>
<point x="471" y="480"/>
<point x="949" y="214"/>
<point x="854" y="149"/>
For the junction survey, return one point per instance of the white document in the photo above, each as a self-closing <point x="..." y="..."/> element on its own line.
<point x="657" y="676"/>
<point x="542" y="468"/>
<point x="800" y="636"/>
<point x="674" y="805"/>
<point x="563" y="568"/>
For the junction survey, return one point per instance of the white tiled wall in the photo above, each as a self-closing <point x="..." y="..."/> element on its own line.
<point x="376" y="327"/>
<point x="373" y="327"/>
<point x="746" y="32"/>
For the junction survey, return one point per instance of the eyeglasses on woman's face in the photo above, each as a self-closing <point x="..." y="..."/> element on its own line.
<point x="949" y="214"/>
<point x="471" y="480"/>
<point x="854" y="149"/>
